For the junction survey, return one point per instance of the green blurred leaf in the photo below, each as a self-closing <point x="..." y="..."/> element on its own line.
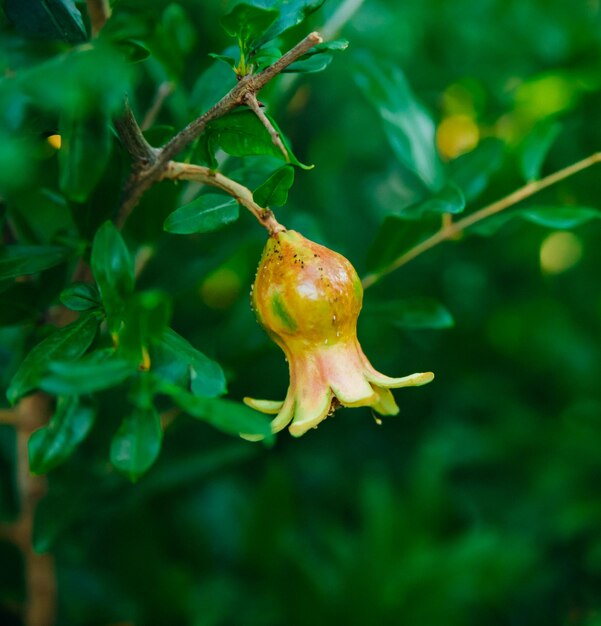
<point x="47" y="19"/>
<point x="536" y="147"/>
<point x="67" y="343"/>
<point x="291" y="13"/>
<point x="315" y="60"/>
<point x="113" y="269"/>
<point x="412" y="313"/>
<point x="176" y="360"/>
<point x="230" y="417"/>
<point x="241" y="133"/>
<point x="409" y="128"/>
<point x="137" y="443"/>
<point x="560" y="217"/>
<point x="145" y="318"/>
<point x="248" y="23"/>
<point x="471" y="172"/>
<point x="310" y="64"/>
<point x="84" y="154"/>
<point x="80" y="297"/>
<point x="205" y="214"/>
<point x="448" y="200"/>
<point x="211" y="85"/>
<point x="274" y="191"/>
<point x="229" y="61"/>
<point x="22" y="260"/>
<point x="95" y="372"/>
<point x="395" y="236"/>
<point x="53" y="444"/>
<point x="135" y="51"/>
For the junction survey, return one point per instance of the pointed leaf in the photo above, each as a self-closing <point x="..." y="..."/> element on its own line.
<point x="536" y="147"/>
<point x="137" y="443"/>
<point x="207" y="213"/>
<point x="53" y="444"/>
<point x="22" y="260"/>
<point x="176" y="360"/>
<point x="95" y="372"/>
<point x="68" y="343"/>
<point x="47" y="19"/>
<point x="274" y="191"/>
<point x="230" y="417"/>
<point x="80" y="297"/>
<point x="113" y="270"/>
<point x="408" y="126"/>
<point x="291" y="13"/>
<point x="248" y="23"/>
<point x="84" y="154"/>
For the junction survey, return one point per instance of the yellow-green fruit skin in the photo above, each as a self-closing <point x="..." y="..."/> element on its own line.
<point x="305" y="292"/>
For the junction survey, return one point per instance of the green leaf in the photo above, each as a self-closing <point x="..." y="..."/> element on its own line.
<point x="206" y="213"/>
<point x="230" y="417"/>
<point x="113" y="269"/>
<point x="52" y="445"/>
<point x="47" y="19"/>
<point x="561" y="218"/>
<point x="137" y="443"/>
<point x="274" y="191"/>
<point x="536" y="147"/>
<point x="68" y="343"/>
<point x="22" y="260"/>
<point x="145" y="318"/>
<point x="95" y="372"/>
<point x="409" y="128"/>
<point x="174" y="359"/>
<point x="135" y="51"/>
<point x="395" y="236"/>
<point x="448" y="200"/>
<point x="291" y="13"/>
<point x="412" y="313"/>
<point x="471" y="172"/>
<point x="310" y="64"/>
<point x="84" y="154"/>
<point x="315" y="60"/>
<point x="80" y="297"/>
<point x="248" y="23"/>
<point x="241" y="133"/>
<point x="229" y="61"/>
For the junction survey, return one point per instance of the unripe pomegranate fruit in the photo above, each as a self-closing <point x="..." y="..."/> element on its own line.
<point x="308" y="298"/>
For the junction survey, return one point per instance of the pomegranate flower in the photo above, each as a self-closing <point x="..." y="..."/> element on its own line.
<point x="308" y="297"/>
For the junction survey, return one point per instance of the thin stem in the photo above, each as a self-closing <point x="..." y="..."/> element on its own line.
<point x="99" y="12"/>
<point x="451" y="230"/>
<point x="342" y="15"/>
<point x="254" y="104"/>
<point x="144" y="176"/>
<point x="201" y="174"/>
<point x="163" y="92"/>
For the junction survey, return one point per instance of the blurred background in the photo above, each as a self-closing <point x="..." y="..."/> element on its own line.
<point x="480" y="503"/>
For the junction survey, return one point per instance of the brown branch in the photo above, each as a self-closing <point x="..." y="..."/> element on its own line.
<point x="40" y="607"/>
<point x="453" y="229"/>
<point x="99" y="12"/>
<point x="146" y="173"/>
<point x="253" y="103"/>
<point x="8" y="417"/>
<point x="198" y="173"/>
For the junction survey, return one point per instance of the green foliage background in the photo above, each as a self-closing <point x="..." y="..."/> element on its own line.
<point x="480" y="503"/>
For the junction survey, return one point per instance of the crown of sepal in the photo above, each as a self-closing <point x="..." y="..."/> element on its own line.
<point x="308" y="298"/>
